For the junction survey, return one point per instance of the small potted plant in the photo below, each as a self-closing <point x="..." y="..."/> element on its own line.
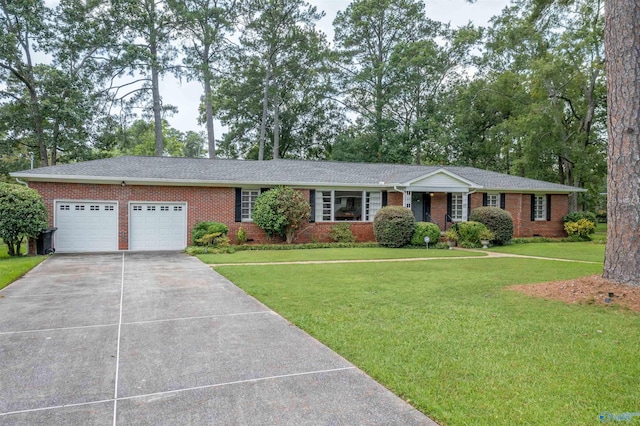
<point x="452" y="238"/>
<point x="486" y="237"/>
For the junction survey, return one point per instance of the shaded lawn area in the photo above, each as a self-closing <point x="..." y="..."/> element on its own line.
<point x="12" y="268"/>
<point x="445" y="336"/>
<point x="588" y="251"/>
<point x="259" y="256"/>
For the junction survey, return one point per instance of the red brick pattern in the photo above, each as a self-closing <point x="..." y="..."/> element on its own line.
<point x="218" y="204"/>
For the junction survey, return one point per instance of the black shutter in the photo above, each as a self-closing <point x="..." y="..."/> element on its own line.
<point x="548" y="206"/>
<point x="468" y="206"/>
<point x="264" y="190"/>
<point x="484" y="199"/>
<point x="238" y="205"/>
<point x="533" y="207"/>
<point x="384" y="199"/>
<point x="312" y="203"/>
<point x="502" y="201"/>
<point x="449" y="202"/>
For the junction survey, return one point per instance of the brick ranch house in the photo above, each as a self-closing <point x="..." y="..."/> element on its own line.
<point x="152" y="203"/>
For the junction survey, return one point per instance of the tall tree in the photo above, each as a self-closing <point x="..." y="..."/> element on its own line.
<point x="366" y="35"/>
<point x="622" y="40"/>
<point x="206" y="24"/>
<point x="147" y="34"/>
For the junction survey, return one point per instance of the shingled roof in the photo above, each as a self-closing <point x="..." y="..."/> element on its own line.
<point x="300" y="173"/>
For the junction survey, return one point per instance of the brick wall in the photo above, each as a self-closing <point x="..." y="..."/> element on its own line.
<point x="218" y="204"/>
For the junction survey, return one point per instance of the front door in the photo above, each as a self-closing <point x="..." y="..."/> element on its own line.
<point x="421" y="206"/>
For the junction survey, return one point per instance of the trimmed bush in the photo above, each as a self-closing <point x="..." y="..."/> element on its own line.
<point x="576" y="216"/>
<point x="425" y="229"/>
<point x="469" y="233"/>
<point x="393" y="226"/>
<point x="581" y="228"/>
<point x="341" y="233"/>
<point x="22" y="215"/>
<point x="241" y="236"/>
<point x="282" y="211"/>
<point x="497" y="220"/>
<point x="206" y="228"/>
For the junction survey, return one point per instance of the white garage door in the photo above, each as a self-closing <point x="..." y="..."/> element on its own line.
<point x="86" y="226"/>
<point x="157" y="226"/>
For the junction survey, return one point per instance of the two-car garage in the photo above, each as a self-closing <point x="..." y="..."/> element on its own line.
<point x="93" y="226"/>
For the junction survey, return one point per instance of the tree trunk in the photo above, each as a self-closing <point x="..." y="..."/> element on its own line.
<point x="622" y="46"/>
<point x="206" y="75"/>
<point x="265" y="110"/>
<point x="276" y="129"/>
<point x="155" y="92"/>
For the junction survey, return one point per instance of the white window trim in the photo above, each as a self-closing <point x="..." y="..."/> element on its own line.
<point x="462" y="206"/>
<point x="540" y="214"/>
<point x="252" y="201"/>
<point x="497" y="199"/>
<point x="371" y="204"/>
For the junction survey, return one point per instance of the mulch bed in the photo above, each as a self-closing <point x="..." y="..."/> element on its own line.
<point x="587" y="290"/>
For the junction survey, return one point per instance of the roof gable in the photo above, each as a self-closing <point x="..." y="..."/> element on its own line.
<point x="441" y="178"/>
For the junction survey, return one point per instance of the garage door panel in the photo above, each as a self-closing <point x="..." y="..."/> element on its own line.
<point x="86" y="226"/>
<point x="157" y="226"/>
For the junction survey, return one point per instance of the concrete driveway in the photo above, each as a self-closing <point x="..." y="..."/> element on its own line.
<point x="160" y="338"/>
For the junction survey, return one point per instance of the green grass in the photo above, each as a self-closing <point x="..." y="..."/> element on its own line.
<point x="446" y="336"/>
<point x="12" y="268"/>
<point x="266" y="256"/>
<point x="588" y="251"/>
<point x="601" y="233"/>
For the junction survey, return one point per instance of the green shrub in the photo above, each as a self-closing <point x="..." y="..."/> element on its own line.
<point x="241" y="236"/>
<point x="393" y="226"/>
<point x="497" y="220"/>
<point x="341" y="233"/>
<point x="581" y="228"/>
<point x="425" y="229"/>
<point x="281" y="211"/>
<point x="22" y="215"/>
<point x="576" y="216"/>
<point x="469" y="233"/>
<point x="216" y="239"/>
<point x="204" y="228"/>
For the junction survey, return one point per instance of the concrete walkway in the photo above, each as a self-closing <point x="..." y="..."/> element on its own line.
<point x="161" y="339"/>
<point x="488" y="255"/>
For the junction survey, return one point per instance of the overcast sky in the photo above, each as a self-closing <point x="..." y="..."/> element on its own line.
<point x="186" y="96"/>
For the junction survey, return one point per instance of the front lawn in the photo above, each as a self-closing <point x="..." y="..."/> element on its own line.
<point x="260" y="256"/>
<point x="12" y="268"/>
<point x="448" y="338"/>
<point x="587" y="251"/>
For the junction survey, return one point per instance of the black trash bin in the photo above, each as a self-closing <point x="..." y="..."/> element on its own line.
<point x="44" y="243"/>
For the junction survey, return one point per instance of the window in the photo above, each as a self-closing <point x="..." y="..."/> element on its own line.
<point x="249" y="197"/>
<point x="94" y="208"/>
<point x="457" y="207"/>
<point x="164" y="208"/>
<point x="151" y="208"/>
<point x="540" y="207"/>
<point x="64" y="206"/>
<point x="108" y="208"/>
<point x="352" y="206"/>
<point x="177" y="208"/>
<point x="79" y="207"/>
<point x="137" y="208"/>
<point x="493" y="200"/>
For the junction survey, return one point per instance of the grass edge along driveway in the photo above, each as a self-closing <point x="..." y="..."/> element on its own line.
<point x="446" y="336"/>
<point x="14" y="267"/>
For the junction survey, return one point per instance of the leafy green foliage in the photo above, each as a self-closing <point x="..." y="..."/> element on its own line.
<point x="497" y="221"/>
<point x="341" y="233"/>
<point x="469" y="233"/>
<point x="22" y="215"/>
<point x="241" y="236"/>
<point x="393" y="226"/>
<point x="281" y="211"/>
<point x="581" y="228"/>
<point x="576" y="216"/>
<point x="425" y="229"/>
<point x="207" y="228"/>
<point x="216" y="240"/>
